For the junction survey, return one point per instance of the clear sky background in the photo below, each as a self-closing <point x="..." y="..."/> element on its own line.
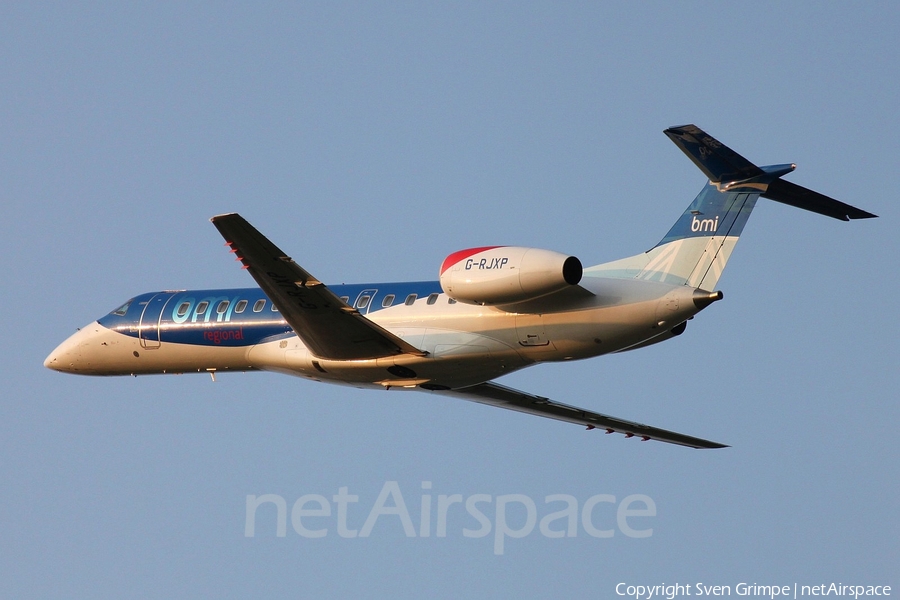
<point x="370" y="141"/>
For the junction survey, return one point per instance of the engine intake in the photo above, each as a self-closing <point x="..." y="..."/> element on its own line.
<point x="507" y="274"/>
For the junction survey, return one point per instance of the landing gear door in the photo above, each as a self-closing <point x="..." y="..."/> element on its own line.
<point x="148" y="331"/>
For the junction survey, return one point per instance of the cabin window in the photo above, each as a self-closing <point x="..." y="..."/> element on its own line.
<point x="259" y="305"/>
<point x="274" y="308"/>
<point x="432" y="298"/>
<point x="363" y="301"/>
<point x="241" y="306"/>
<point x="410" y="299"/>
<point x="222" y="307"/>
<point x="345" y="299"/>
<point x="388" y="300"/>
<point x="123" y="309"/>
<point x="183" y="309"/>
<point x="201" y="308"/>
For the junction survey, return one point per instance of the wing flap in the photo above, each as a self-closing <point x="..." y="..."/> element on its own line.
<point x="512" y="399"/>
<point x="327" y="326"/>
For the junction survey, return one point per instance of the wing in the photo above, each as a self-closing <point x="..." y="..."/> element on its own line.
<point x="505" y="397"/>
<point x="328" y="327"/>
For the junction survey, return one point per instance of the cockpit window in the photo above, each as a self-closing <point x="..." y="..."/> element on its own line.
<point x="123" y="309"/>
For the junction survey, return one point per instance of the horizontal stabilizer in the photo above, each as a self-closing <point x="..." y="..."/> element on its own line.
<point x="801" y="197"/>
<point x="717" y="161"/>
<point x="729" y="171"/>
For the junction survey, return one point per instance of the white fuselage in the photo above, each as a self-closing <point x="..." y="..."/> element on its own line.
<point x="465" y="344"/>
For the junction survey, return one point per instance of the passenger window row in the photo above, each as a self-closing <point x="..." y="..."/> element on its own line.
<point x="222" y="307"/>
<point x="260" y="304"/>
<point x="388" y="301"/>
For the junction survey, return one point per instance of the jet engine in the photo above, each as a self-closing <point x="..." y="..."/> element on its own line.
<point x="507" y="274"/>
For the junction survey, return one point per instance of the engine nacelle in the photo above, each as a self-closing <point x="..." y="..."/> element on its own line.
<point x="507" y="274"/>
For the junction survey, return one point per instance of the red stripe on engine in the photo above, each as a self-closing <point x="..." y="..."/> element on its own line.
<point x="458" y="256"/>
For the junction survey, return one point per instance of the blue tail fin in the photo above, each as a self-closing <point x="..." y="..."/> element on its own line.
<point x="695" y="250"/>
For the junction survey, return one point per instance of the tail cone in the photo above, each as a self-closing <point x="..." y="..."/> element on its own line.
<point x="702" y="298"/>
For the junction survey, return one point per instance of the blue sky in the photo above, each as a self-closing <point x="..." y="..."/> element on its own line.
<point x="370" y="141"/>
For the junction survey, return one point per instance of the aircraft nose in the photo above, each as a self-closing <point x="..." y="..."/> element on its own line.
<point x="69" y="357"/>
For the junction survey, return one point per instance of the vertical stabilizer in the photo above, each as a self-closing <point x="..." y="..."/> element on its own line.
<point x="695" y="250"/>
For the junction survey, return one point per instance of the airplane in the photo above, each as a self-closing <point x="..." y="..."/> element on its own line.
<point x="493" y="310"/>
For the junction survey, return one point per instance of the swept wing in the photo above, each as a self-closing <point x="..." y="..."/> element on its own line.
<point x="327" y="326"/>
<point x="512" y="399"/>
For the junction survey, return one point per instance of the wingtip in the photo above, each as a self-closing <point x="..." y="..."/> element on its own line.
<point x="713" y="446"/>
<point x="215" y="218"/>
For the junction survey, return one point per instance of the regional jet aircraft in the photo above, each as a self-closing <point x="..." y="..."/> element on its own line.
<point x="494" y="310"/>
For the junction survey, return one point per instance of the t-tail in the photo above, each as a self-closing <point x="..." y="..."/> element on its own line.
<point x="698" y="246"/>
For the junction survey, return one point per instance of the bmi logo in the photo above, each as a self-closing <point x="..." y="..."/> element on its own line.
<point x="704" y="224"/>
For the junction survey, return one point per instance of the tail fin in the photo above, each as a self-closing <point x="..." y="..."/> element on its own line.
<point x="694" y="252"/>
